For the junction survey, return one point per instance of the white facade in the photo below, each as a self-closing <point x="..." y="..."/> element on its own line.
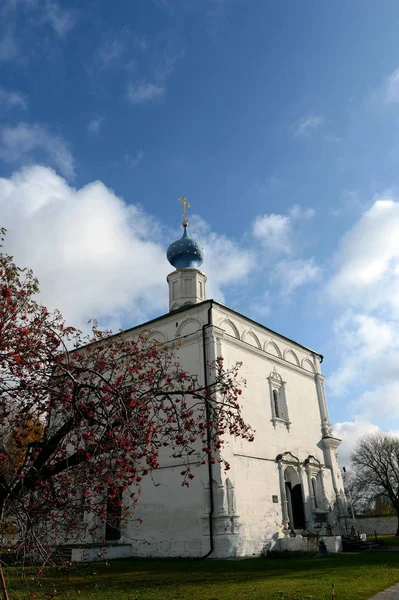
<point x="284" y="484"/>
<point x="287" y="479"/>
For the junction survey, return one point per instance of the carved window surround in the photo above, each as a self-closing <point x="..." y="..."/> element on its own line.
<point x="317" y="492"/>
<point x="278" y="400"/>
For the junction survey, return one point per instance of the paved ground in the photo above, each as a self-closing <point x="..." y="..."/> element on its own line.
<point x="391" y="593"/>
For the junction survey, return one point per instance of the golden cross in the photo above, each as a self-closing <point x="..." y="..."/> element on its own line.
<point x="183" y="200"/>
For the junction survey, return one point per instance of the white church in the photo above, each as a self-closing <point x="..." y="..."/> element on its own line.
<point x="284" y="488"/>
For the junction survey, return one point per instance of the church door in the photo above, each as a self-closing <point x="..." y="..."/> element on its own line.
<point x="298" y="513"/>
<point x="114" y="514"/>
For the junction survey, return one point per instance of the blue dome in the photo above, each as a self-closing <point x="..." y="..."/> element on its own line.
<point x="185" y="253"/>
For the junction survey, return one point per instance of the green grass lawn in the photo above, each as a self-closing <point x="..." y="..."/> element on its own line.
<point x="356" y="576"/>
<point x="388" y="541"/>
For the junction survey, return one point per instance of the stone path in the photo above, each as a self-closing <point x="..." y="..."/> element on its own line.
<point x="391" y="593"/>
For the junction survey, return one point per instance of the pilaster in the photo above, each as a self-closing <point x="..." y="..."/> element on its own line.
<point x="283" y="494"/>
<point x="305" y="499"/>
<point x="321" y="396"/>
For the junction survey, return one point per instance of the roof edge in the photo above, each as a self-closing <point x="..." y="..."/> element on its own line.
<point x="212" y="302"/>
<point x="267" y="328"/>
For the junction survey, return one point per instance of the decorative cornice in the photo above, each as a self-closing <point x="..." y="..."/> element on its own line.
<point x="214" y="331"/>
<point x="312" y="465"/>
<point x="311" y="460"/>
<point x="186" y="271"/>
<point x="189" y="338"/>
<point x="259" y="327"/>
<point x="272" y="357"/>
<point x="274" y="460"/>
<point x="276" y="376"/>
<point x="288" y="458"/>
<point x="330" y="442"/>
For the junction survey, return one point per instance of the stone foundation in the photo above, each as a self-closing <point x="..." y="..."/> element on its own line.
<point x="101" y="553"/>
<point x="308" y="543"/>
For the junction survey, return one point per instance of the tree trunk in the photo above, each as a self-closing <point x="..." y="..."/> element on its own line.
<point x="397" y="529"/>
<point x="3" y="584"/>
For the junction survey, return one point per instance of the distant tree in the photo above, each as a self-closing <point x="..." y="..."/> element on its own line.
<point x="84" y="418"/>
<point x="382" y="506"/>
<point x="356" y="494"/>
<point x="376" y="466"/>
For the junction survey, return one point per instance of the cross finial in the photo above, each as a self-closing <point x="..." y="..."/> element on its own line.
<point x="183" y="200"/>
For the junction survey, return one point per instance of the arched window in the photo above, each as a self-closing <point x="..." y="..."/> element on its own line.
<point x="278" y="400"/>
<point x="277" y="412"/>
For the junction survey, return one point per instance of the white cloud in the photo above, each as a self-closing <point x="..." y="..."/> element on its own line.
<point x="133" y="161"/>
<point x="307" y="125"/>
<point x="292" y="274"/>
<point x="141" y="42"/>
<point x="273" y="231"/>
<point x="226" y="262"/>
<point x="12" y="99"/>
<point x="151" y="84"/>
<point x="392" y="87"/>
<point x="365" y="283"/>
<point x="23" y="142"/>
<point x="111" y="50"/>
<point x="278" y="235"/>
<point x="349" y="432"/>
<point x="386" y="93"/>
<point x="379" y="402"/>
<point x="95" y="125"/>
<point x="299" y="212"/>
<point x="36" y="14"/>
<point x="8" y="45"/>
<point x="362" y="340"/>
<point x="269" y="184"/>
<point x="61" y="20"/>
<point x="144" y="92"/>
<point x="11" y="5"/>
<point x="349" y="202"/>
<point x="116" y="50"/>
<point x="167" y="62"/>
<point x="259" y="306"/>
<point x="162" y="4"/>
<point x="367" y="271"/>
<point x="96" y="256"/>
<point x="276" y="232"/>
<point x="332" y="138"/>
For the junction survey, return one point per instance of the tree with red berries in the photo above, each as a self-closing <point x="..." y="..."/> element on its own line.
<point x="84" y="418"/>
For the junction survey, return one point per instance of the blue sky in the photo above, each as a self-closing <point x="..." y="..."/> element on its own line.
<point x="280" y="123"/>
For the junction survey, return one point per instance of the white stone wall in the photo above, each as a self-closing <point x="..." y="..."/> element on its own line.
<point x="246" y="520"/>
<point x="382" y="525"/>
<point x="174" y="518"/>
<point x="256" y="481"/>
<point x="254" y="468"/>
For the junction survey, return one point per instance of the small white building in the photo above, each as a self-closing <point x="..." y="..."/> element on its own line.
<point x="285" y="488"/>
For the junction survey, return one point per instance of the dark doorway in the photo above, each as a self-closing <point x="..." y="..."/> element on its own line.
<point x="298" y="513"/>
<point x="114" y="514"/>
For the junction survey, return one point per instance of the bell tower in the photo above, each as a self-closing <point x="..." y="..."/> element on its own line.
<point x="187" y="282"/>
